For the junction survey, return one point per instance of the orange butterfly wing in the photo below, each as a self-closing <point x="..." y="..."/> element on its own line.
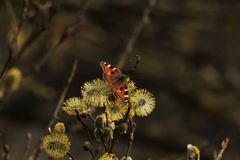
<point x="109" y="73"/>
<point x="122" y="92"/>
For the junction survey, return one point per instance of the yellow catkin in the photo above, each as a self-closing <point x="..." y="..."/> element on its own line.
<point x="96" y="92"/>
<point x="108" y="156"/>
<point x="59" y="128"/>
<point x="73" y="105"/>
<point x="142" y="102"/>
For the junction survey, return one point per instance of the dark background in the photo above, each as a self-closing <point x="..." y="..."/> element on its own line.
<point x="189" y="61"/>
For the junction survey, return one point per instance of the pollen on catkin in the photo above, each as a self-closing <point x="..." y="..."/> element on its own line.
<point x="73" y="105"/>
<point x="131" y="86"/>
<point x="116" y="110"/>
<point x="108" y="156"/>
<point x="142" y="102"/>
<point x="96" y="92"/>
<point x="56" y="145"/>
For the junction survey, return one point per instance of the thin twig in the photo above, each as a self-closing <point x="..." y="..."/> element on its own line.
<point x="13" y="19"/>
<point x="131" y="136"/>
<point x="91" y="117"/>
<point x="28" y="146"/>
<point x="224" y="145"/>
<point x="79" y="118"/>
<point x="70" y="156"/>
<point x="138" y="29"/>
<point x="69" y="30"/>
<point x="56" y="113"/>
<point x="116" y="137"/>
<point x="5" y="147"/>
<point x="103" y="140"/>
<point x="11" y="13"/>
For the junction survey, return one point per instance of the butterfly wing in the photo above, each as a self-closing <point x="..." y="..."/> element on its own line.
<point x="116" y="80"/>
<point x="109" y="72"/>
<point x="122" y="92"/>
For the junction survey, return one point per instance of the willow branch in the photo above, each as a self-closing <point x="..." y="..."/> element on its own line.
<point x="56" y="112"/>
<point x="28" y="146"/>
<point x="69" y="30"/>
<point x="224" y="146"/>
<point x="70" y="156"/>
<point x="131" y="137"/>
<point x="5" y="147"/>
<point x="79" y="118"/>
<point x="137" y="31"/>
<point x="13" y="20"/>
<point x="16" y="28"/>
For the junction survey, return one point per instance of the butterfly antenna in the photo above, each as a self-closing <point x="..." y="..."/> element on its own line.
<point x="133" y="69"/>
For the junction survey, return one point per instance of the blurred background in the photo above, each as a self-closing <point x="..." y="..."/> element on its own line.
<point x="189" y="60"/>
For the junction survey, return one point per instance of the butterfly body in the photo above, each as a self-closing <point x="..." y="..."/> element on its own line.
<point x="116" y="80"/>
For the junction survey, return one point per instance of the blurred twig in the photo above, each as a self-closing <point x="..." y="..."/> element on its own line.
<point x="15" y="27"/>
<point x="69" y="30"/>
<point x="5" y="147"/>
<point x="28" y="145"/>
<point x="13" y="20"/>
<point x="131" y="136"/>
<point x="138" y="29"/>
<point x="224" y="145"/>
<point x="79" y="118"/>
<point x="70" y="156"/>
<point x="56" y="113"/>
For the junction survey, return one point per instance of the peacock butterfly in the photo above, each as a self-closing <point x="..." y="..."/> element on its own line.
<point x="116" y="80"/>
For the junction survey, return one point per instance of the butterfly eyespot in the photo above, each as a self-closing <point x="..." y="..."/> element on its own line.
<point x="121" y="88"/>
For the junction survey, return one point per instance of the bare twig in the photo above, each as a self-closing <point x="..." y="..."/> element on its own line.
<point x="91" y="117"/>
<point x="224" y="145"/>
<point x="5" y="147"/>
<point x="131" y="136"/>
<point x="63" y="95"/>
<point x="116" y="137"/>
<point x="28" y="146"/>
<point x="103" y="140"/>
<point x="79" y="118"/>
<point x="138" y="29"/>
<point x="16" y="27"/>
<point x="13" y="19"/>
<point x="69" y="30"/>
<point x="56" y="112"/>
<point x="70" y="156"/>
<point x="11" y="13"/>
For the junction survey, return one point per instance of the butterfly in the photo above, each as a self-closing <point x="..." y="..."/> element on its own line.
<point x="116" y="80"/>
